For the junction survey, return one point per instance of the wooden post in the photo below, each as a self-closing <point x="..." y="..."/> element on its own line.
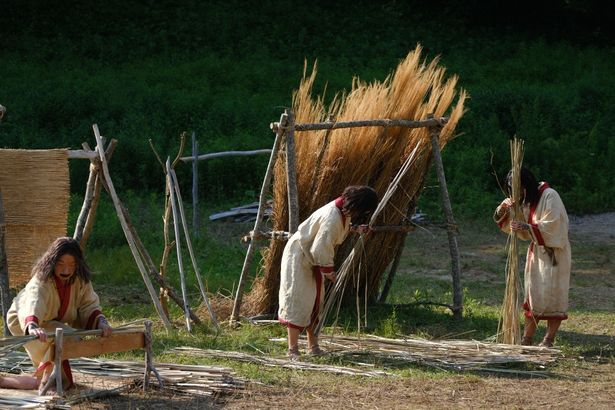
<point x="5" y="293"/>
<point x="149" y="362"/>
<point x="180" y="263"/>
<point x="57" y="365"/>
<point x="259" y="216"/>
<point x="127" y="232"/>
<point x="291" y="174"/>
<point x="451" y="225"/>
<point x="190" y="249"/>
<point x="195" y="187"/>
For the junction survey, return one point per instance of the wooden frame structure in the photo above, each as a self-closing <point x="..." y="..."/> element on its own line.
<point x="71" y="348"/>
<point x="285" y="130"/>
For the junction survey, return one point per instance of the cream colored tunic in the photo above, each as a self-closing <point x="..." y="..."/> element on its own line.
<point x="41" y="299"/>
<point x="312" y="245"/>
<point x="548" y="262"/>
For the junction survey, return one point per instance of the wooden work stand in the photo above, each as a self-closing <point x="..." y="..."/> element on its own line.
<point x="118" y="342"/>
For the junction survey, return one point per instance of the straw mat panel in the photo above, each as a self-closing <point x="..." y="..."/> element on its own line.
<point x="35" y="194"/>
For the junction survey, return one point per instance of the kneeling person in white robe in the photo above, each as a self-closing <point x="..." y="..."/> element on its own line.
<point x="60" y="294"/>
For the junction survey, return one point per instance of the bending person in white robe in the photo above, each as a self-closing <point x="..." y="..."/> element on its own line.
<point x="548" y="262"/>
<point x="60" y="294"/>
<point x="309" y="255"/>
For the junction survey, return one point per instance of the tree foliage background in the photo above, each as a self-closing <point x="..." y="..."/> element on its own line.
<point x="225" y="69"/>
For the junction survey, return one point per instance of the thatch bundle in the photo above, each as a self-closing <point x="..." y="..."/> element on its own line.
<point x="329" y="160"/>
<point x="508" y="327"/>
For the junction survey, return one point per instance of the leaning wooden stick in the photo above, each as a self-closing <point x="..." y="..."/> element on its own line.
<point x="509" y="330"/>
<point x="190" y="249"/>
<point x="127" y="232"/>
<point x="279" y="129"/>
<point x="180" y="262"/>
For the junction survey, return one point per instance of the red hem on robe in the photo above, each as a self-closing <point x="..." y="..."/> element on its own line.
<point x="68" y="373"/>
<point x="529" y="314"/>
<point x="41" y="368"/>
<point x="325" y="269"/>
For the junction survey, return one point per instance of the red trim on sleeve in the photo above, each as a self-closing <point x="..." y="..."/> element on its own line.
<point x="64" y="294"/>
<point x="502" y="221"/>
<point x="92" y="319"/>
<point x="31" y="319"/>
<point x="324" y="269"/>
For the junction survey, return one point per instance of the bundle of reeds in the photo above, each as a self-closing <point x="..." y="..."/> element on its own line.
<point x="461" y="355"/>
<point x="273" y="362"/>
<point x="509" y="330"/>
<point x="329" y="160"/>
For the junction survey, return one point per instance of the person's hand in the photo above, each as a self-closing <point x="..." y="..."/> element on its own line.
<point x="331" y="276"/>
<point x="105" y="327"/>
<point x="34" y="330"/>
<point x="363" y="228"/>
<point x="519" y="226"/>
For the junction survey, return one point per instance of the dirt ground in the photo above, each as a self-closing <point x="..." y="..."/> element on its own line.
<point x="585" y="379"/>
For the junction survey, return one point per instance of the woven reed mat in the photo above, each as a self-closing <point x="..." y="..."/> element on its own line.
<point x="35" y="194"/>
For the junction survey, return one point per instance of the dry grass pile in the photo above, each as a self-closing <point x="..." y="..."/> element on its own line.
<point x="330" y="160"/>
<point x="509" y="330"/>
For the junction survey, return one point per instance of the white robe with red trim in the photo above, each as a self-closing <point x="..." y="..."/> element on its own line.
<point x="40" y="302"/>
<point x="548" y="262"/>
<point x="313" y="245"/>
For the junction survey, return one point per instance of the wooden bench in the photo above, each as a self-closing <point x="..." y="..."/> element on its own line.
<point x="116" y="342"/>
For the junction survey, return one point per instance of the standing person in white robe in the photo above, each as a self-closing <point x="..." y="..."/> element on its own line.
<point x="60" y="294"/>
<point x="308" y="256"/>
<point x="548" y="262"/>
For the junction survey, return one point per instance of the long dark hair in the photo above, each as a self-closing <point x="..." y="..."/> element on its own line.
<point x="360" y="201"/>
<point x="529" y="182"/>
<point x="44" y="268"/>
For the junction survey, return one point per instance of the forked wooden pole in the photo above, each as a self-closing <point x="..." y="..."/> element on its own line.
<point x="191" y="250"/>
<point x="85" y="222"/>
<point x="180" y="262"/>
<point x="127" y="231"/>
<point x="259" y="216"/>
<point x="149" y="361"/>
<point x="451" y="225"/>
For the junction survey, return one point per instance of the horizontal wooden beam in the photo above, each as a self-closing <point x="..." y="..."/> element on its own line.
<point x="227" y="154"/>
<point x="432" y="122"/>
<point x="82" y="154"/>
<point x="121" y="342"/>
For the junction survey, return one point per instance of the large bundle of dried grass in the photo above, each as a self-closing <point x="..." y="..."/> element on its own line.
<point x="330" y="160"/>
<point x="35" y="193"/>
<point x="508" y="327"/>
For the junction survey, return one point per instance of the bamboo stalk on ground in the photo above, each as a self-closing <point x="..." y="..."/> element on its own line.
<point x="508" y="327"/>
